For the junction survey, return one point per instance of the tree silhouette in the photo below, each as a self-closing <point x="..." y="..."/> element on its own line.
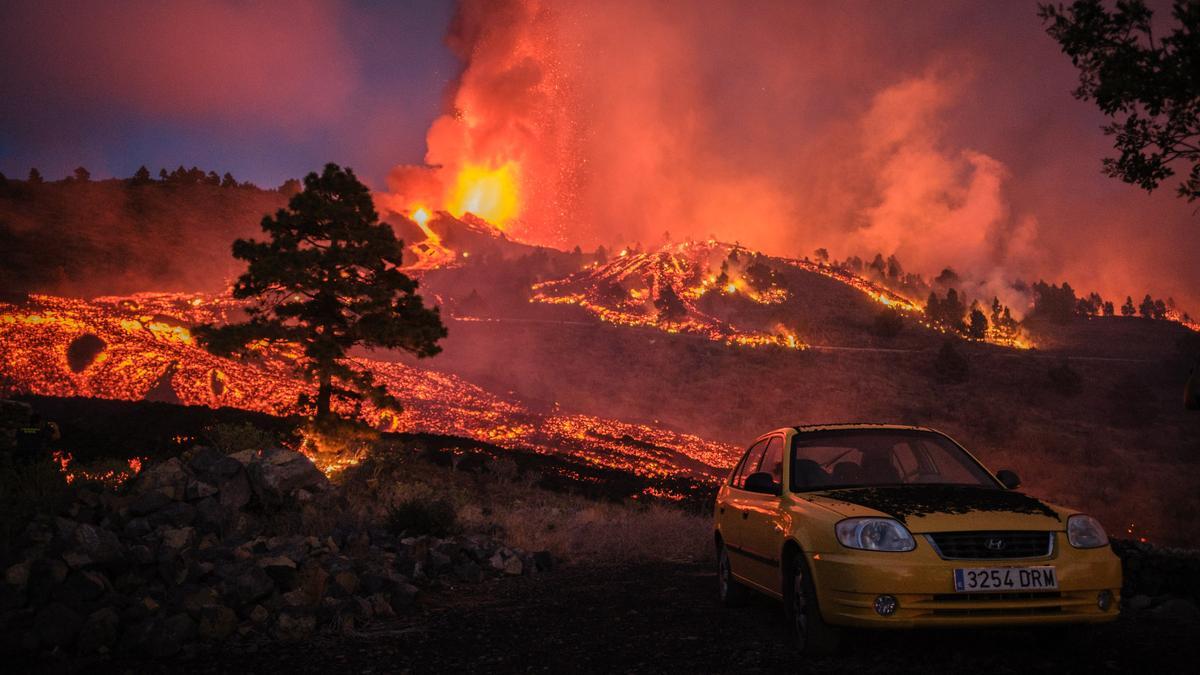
<point x="1146" y="309"/>
<point x="1127" y="308"/>
<point x="978" y="324"/>
<point x="668" y="304"/>
<point x="35" y="177"/>
<point x="1148" y="86"/>
<point x="82" y="175"/>
<point x="328" y="279"/>
<point x="141" y="176"/>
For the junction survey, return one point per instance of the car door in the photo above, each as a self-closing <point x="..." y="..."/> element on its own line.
<point x="732" y="512"/>
<point x="762" y="536"/>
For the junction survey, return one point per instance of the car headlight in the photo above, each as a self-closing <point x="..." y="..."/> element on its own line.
<point x="874" y="534"/>
<point x="1085" y="532"/>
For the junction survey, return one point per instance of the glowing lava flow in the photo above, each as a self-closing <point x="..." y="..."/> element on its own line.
<point x="146" y="349"/>
<point x="625" y="292"/>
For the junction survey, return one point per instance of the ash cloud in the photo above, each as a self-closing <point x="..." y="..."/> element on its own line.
<point x="944" y="133"/>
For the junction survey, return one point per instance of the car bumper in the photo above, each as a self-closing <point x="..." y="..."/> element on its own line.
<point x="922" y="583"/>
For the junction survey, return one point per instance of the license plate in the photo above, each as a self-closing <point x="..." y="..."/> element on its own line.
<point x="983" y="579"/>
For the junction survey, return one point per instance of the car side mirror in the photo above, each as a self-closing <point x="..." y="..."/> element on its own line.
<point x="762" y="482"/>
<point x="1009" y="479"/>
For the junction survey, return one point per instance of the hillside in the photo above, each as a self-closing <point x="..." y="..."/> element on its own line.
<point x="113" y="236"/>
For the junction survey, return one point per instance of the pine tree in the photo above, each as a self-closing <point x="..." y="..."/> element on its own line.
<point x="35" y="177"/>
<point x="1127" y="308"/>
<point x="82" y="175"/>
<point x="328" y="279"/>
<point x="141" y="176"/>
<point x="1146" y="309"/>
<point x="978" y="324"/>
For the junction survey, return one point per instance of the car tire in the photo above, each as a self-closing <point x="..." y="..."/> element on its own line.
<point x="730" y="591"/>
<point x="813" y="636"/>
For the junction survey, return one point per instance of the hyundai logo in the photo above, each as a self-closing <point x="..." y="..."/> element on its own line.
<point x="995" y="544"/>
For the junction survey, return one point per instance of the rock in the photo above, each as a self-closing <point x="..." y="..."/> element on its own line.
<point x="139" y="635"/>
<point x="148" y="502"/>
<point x="45" y="574"/>
<point x="167" y="477"/>
<point x="137" y="528"/>
<point x="259" y="614"/>
<point x="543" y="561"/>
<point x="199" y="490"/>
<point x="56" y="625"/>
<point x="234" y="492"/>
<point x="89" y="544"/>
<point x="281" y="569"/>
<point x="513" y="566"/>
<point x="1177" y="610"/>
<point x="178" y="538"/>
<point x="213" y="466"/>
<point x="177" y="514"/>
<point x="345" y="583"/>
<point x="99" y="631"/>
<point x="403" y="597"/>
<point x="171" y="635"/>
<point x="82" y="587"/>
<point x="293" y="625"/>
<point x="17" y="575"/>
<point x="217" y="622"/>
<point x="276" y="473"/>
<point x="211" y="517"/>
<point x="381" y="604"/>
<point x="140" y="554"/>
<point x="497" y="562"/>
<point x="1139" y="602"/>
<point x="252" y="585"/>
<point x="468" y="571"/>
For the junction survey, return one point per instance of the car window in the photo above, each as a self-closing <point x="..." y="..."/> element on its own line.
<point x="877" y="457"/>
<point x="749" y="464"/>
<point x="772" y="461"/>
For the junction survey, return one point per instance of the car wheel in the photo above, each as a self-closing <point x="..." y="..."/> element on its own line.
<point x="813" y="636"/>
<point x="732" y="593"/>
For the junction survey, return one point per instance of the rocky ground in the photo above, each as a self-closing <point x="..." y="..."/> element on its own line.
<point x="663" y="617"/>
<point x="220" y="549"/>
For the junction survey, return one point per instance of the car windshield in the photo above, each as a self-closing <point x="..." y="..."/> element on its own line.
<point x="849" y="458"/>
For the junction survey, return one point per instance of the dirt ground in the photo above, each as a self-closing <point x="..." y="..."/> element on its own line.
<point x="663" y="617"/>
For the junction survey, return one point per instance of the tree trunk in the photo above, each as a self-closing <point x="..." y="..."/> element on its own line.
<point x="324" y="395"/>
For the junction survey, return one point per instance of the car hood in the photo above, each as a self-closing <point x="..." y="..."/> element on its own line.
<point x="944" y="508"/>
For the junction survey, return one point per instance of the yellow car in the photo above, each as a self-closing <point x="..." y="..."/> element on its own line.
<point x="885" y="526"/>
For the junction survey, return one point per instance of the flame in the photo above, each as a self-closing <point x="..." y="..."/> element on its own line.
<point x="492" y="193"/>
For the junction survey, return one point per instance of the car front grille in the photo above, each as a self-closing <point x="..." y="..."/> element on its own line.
<point x="991" y="545"/>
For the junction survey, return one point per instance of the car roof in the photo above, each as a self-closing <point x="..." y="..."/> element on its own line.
<point x="804" y="428"/>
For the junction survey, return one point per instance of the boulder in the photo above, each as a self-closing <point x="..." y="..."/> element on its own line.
<point x="148" y="502"/>
<point x="170" y="636"/>
<point x="276" y="473"/>
<point x="234" y="492"/>
<point x="178" y="538"/>
<point x="281" y="569"/>
<point x="468" y="571"/>
<point x="45" y="574"/>
<point x="1177" y="611"/>
<point x="252" y="585"/>
<point x="217" y="622"/>
<point x="82" y="587"/>
<point x="99" y="631"/>
<point x="56" y="625"/>
<point x="169" y="477"/>
<point x="294" y="624"/>
<point x="89" y="545"/>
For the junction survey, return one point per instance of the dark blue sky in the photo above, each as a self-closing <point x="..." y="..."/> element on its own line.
<point x="98" y="88"/>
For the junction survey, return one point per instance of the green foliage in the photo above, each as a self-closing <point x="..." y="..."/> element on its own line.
<point x="231" y="438"/>
<point x="1147" y="85"/>
<point x="411" y="517"/>
<point x="327" y="279"/>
